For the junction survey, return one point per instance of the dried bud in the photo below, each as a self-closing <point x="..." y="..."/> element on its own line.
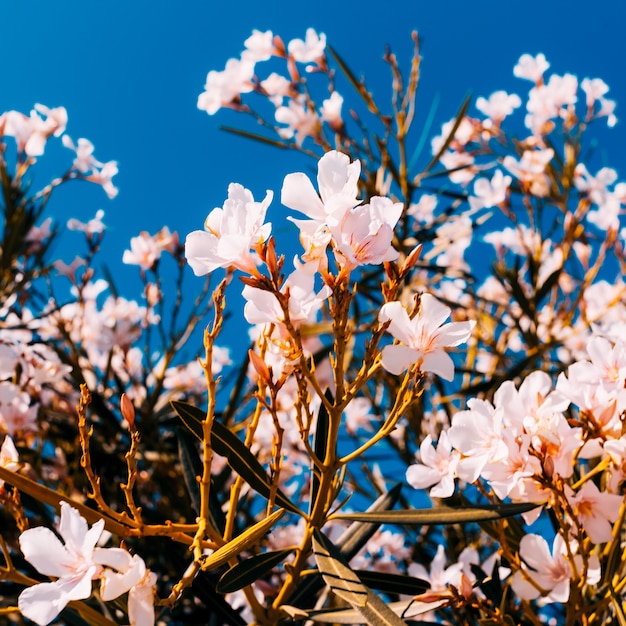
<point x="548" y="467"/>
<point x="128" y="411"/>
<point x="260" y="367"/>
<point x="411" y="260"/>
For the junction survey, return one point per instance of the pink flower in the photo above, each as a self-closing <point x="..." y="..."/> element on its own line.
<point x="72" y="563"/>
<point x="331" y="110"/>
<point x="531" y="68"/>
<point x="424" y="337"/>
<point x="551" y="572"/>
<point x="75" y="563"/>
<point x="596" y="510"/>
<point x="259" y="46"/>
<point x="300" y="120"/>
<point x="94" y="226"/>
<point x="230" y="232"/>
<point x="490" y="193"/>
<point x="337" y="179"/>
<point x="478" y="434"/>
<point x="310" y="50"/>
<point x="365" y="233"/>
<point x="437" y="467"/>
<point x="223" y="88"/>
<point x="9" y="457"/>
<point x="499" y="105"/>
<point x="262" y="307"/>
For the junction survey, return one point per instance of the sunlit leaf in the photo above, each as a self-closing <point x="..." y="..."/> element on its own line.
<point x="242" y="542"/>
<point x="442" y="514"/>
<point x="337" y="573"/>
<point x="239" y="457"/>
<point x="349" y="543"/>
<point x="407" y="609"/>
<point x="250" y="570"/>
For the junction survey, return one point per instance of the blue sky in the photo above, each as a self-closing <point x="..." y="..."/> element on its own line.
<point x="129" y="74"/>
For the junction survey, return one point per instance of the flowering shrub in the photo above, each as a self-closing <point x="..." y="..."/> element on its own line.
<point x="454" y="330"/>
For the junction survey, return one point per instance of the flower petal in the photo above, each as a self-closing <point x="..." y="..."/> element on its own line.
<point x="397" y="359"/>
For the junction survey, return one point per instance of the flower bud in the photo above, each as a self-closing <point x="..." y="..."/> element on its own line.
<point x="128" y="411"/>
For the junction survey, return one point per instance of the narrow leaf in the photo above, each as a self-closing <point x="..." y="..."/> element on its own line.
<point x="204" y="589"/>
<point x="336" y="572"/>
<point x="52" y="498"/>
<point x="449" y="138"/>
<point x="242" y="542"/>
<point x="255" y="137"/>
<point x="239" y="457"/>
<point x="320" y="446"/>
<point x="442" y="515"/>
<point x="250" y="570"/>
<point x="392" y="583"/>
<point x="349" y="543"/>
<point x="408" y="609"/>
<point x="192" y="468"/>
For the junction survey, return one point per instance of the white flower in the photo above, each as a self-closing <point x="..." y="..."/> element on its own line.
<point x="424" y="337"/>
<point x="230" y="232"/>
<point x="75" y="564"/>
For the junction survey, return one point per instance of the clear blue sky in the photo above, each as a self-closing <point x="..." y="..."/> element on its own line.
<point x="129" y="73"/>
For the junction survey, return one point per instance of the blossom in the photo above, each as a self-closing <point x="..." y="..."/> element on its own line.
<point x="478" y="434"/>
<point x="300" y="120"/>
<point x="310" y="50"/>
<point x="31" y="133"/>
<point x="130" y="574"/>
<point x="94" y="226"/>
<point x="77" y="562"/>
<point x="424" y="337"/>
<point x="551" y="572"/>
<point x="337" y="180"/>
<point x="224" y="88"/>
<point x="596" y="510"/>
<point x="365" y="233"/>
<point x="259" y="46"/>
<point x="331" y="110"/>
<point x="230" y="232"/>
<point x="9" y="457"/>
<point x="531" y="68"/>
<point x="499" y="105"/>
<point x="437" y="467"/>
<point x="490" y="193"/>
<point x="262" y="307"/>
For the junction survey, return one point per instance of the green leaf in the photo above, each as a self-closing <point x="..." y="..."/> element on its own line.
<point x="255" y="137"/>
<point x="239" y="457"/>
<point x="359" y="533"/>
<point x="346" y="584"/>
<point x="442" y="514"/>
<point x="320" y="447"/>
<point x="408" y="609"/>
<point x="357" y="84"/>
<point x="392" y="583"/>
<point x="337" y="573"/>
<point x="349" y="543"/>
<point x="250" y="570"/>
<point x="457" y="122"/>
<point x="192" y="468"/>
<point x="242" y="542"/>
